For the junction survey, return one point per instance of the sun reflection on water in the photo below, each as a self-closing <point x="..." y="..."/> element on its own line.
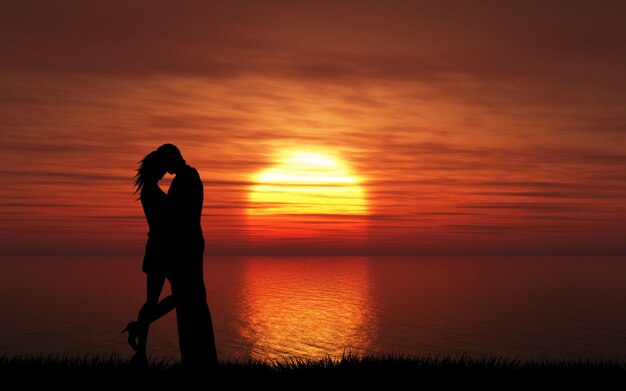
<point x="306" y="308"/>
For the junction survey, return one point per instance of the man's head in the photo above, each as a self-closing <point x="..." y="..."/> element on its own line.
<point x="172" y="158"/>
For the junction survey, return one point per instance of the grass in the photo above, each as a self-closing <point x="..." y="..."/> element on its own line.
<point x="353" y="369"/>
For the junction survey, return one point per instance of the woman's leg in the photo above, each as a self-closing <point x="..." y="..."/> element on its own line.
<point x="154" y="287"/>
<point x="166" y="305"/>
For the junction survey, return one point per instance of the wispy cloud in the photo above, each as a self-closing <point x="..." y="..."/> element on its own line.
<point x="466" y="128"/>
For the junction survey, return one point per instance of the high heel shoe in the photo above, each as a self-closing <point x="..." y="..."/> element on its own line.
<point x="132" y="328"/>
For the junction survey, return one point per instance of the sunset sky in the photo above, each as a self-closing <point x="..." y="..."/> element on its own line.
<point x="423" y="127"/>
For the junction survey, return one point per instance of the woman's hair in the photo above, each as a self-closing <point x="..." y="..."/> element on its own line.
<point x="150" y="167"/>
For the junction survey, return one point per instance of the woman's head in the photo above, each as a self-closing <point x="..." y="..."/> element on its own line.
<point x="151" y="170"/>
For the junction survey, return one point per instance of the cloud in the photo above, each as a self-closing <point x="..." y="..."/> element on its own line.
<point x="321" y="41"/>
<point x="491" y="117"/>
<point x="550" y="207"/>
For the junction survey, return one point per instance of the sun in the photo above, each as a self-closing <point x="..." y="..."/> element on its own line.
<point x="306" y="193"/>
<point x="304" y="182"/>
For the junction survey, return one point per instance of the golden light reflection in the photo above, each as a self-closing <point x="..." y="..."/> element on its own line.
<point x="306" y="307"/>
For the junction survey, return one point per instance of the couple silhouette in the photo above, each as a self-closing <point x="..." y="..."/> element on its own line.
<point x="174" y="251"/>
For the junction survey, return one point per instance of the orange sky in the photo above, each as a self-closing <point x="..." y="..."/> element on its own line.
<point x="474" y="129"/>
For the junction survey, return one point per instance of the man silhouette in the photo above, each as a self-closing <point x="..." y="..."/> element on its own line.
<point x="185" y="261"/>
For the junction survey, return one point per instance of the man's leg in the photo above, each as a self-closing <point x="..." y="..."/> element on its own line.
<point x="184" y="319"/>
<point x="195" y="326"/>
<point x="204" y="350"/>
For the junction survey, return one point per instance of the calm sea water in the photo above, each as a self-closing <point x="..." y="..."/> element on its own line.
<point x="527" y="307"/>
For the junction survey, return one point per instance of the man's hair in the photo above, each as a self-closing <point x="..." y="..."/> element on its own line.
<point x="171" y="152"/>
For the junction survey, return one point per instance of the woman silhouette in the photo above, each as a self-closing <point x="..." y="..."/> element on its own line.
<point x="153" y="200"/>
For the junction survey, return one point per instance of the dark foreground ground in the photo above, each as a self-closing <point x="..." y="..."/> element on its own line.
<point x="373" y="372"/>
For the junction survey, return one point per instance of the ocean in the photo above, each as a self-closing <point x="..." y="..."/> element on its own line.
<point x="275" y="307"/>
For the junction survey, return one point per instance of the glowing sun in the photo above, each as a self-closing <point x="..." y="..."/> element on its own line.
<point x="307" y="183"/>
<point x="307" y="195"/>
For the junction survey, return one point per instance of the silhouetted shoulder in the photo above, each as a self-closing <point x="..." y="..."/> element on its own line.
<point x="194" y="172"/>
<point x="190" y="173"/>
